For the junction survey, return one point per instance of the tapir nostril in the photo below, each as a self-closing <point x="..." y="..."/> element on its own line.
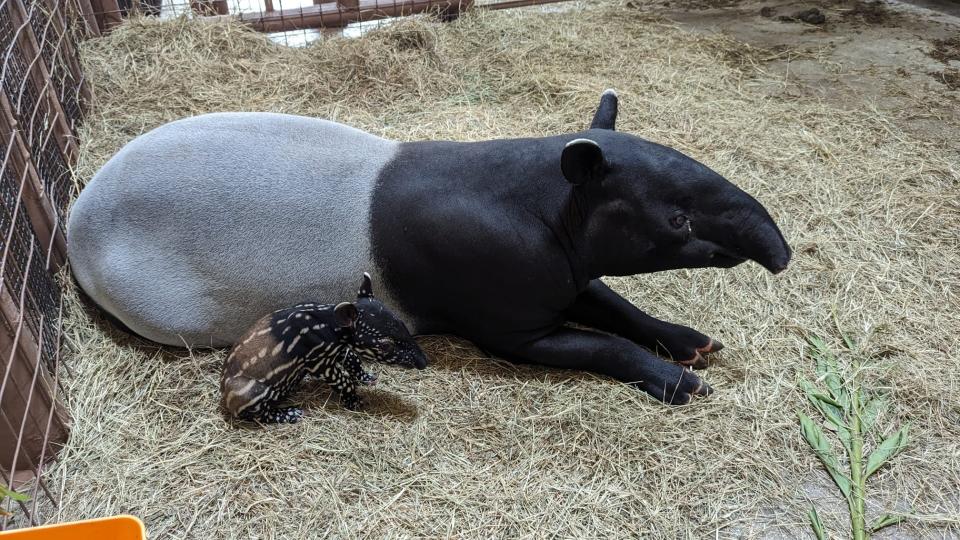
<point x="776" y="269"/>
<point x="782" y="261"/>
<point x="762" y="242"/>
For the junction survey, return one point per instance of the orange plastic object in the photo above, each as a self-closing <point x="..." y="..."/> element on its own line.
<point x="110" y="528"/>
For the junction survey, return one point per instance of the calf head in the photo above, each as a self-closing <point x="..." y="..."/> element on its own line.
<point x="377" y="334"/>
<point x="652" y="208"/>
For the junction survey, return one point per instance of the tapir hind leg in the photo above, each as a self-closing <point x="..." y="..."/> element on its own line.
<point x="255" y="402"/>
<point x="622" y="359"/>
<point x="601" y="308"/>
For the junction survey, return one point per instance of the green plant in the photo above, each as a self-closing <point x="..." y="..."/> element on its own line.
<point x="851" y="413"/>
<point x="13" y="495"/>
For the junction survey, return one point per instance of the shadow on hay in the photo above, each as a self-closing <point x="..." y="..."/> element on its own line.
<point x="379" y="403"/>
<point x="453" y="355"/>
<point x="314" y="396"/>
<point x="113" y="327"/>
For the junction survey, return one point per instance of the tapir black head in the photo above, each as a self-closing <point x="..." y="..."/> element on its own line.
<point x="378" y="334"/>
<point x="653" y="208"/>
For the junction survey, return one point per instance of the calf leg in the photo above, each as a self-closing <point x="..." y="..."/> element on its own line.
<point x="250" y="400"/>
<point x="275" y="415"/>
<point x="570" y="348"/>
<point x="353" y="366"/>
<point x="344" y="384"/>
<point x="601" y="308"/>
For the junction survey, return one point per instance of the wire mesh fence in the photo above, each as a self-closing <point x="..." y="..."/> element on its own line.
<point x="42" y="97"/>
<point x="290" y="22"/>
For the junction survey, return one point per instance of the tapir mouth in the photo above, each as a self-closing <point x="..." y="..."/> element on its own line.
<point x="420" y="362"/>
<point x="413" y="357"/>
<point x="726" y="260"/>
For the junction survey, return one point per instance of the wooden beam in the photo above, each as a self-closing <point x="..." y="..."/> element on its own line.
<point x="15" y="159"/>
<point x="39" y="207"/>
<point x="210" y="7"/>
<point x="333" y="14"/>
<point x="108" y="14"/>
<point x="39" y="76"/>
<point x="21" y="370"/>
<point x="89" y="17"/>
<point x="57" y="11"/>
<point x="510" y="4"/>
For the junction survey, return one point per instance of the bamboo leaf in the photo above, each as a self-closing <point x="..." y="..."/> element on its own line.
<point x="816" y="524"/>
<point x="887" y="449"/>
<point x="848" y="341"/>
<point x="826" y="399"/>
<point x="833" y="415"/>
<point x="871" y="411"/>
<point x="844" y="435"/>
<point x="818" y="441"/>
<point x="826" y="404"/>
<point x="819" y="352"/>
<point x="827" y="369"/>
<point x="4" y="492"/>
<point x="885" y="520"/>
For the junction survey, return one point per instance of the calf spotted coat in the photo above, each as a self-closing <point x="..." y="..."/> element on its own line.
<point x="323" y="340"/>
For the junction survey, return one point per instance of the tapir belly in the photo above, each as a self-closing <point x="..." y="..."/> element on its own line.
<point x="195" y="230"/>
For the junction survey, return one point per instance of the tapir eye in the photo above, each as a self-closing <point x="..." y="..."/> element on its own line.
<point x="678" y="221"/>
<point x="386" y="346"/>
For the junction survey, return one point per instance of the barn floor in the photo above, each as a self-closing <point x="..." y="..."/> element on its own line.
<point x="848" y="132"/>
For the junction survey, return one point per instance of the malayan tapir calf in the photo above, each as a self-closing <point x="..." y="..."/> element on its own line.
<point x="324" y="340"/>
<point x="194" y="230"/>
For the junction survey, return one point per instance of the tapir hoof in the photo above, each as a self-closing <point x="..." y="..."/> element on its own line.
<point x="699" y="359"/>
<point x="683" y="345"/>
<point x="352" y="402"/>
<point x="286" y="415"/>
<point x="679" y="386"/>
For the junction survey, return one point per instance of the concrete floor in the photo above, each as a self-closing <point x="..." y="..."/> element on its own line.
<point x="866" y="54"/>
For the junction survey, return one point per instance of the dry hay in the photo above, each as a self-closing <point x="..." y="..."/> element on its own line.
<point x="477" y="448"/>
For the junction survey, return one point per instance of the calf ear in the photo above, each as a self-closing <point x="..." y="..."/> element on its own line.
<point x="346" y="314"/>
<point x="582" y="161"/>
<point x="366" y="287"/>
<point x="606" y="115"/>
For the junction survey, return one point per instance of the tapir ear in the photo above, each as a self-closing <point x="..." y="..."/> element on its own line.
<point x="582" y="161"/>
<point x="346" y="314"/>
<point x="606" y="115"/>
<point x="366" y="287"/>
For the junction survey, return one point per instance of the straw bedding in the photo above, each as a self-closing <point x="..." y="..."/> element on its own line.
<point x="476" y="447"/>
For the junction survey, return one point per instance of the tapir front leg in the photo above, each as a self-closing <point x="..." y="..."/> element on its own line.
<point x="600" y="307"/>
<point x="622" y="359"/>
<point x="353" y="366"/>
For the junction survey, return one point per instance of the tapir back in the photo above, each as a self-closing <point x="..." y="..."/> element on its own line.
<point x="194" y="230"/>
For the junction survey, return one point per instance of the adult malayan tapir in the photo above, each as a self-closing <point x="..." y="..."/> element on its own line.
<point x="196" y="229"/>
